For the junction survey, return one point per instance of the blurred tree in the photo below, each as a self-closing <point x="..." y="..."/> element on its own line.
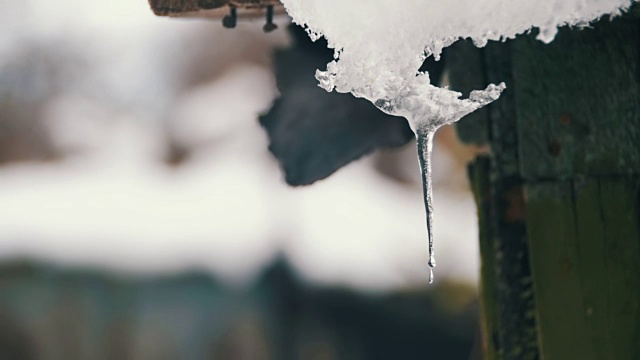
<point x="28" y="79"/>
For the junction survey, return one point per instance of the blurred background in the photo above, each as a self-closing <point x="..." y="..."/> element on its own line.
<point x="143" y="217"/>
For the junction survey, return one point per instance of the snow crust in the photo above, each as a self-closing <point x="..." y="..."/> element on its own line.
<point x="380" y="44"/>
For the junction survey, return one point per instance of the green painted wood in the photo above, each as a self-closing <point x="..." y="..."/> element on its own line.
<point x="620" y="213"/>
<point x="567" y="130"/>
<point x="510" y="315"/>
<point x="578" y="115"/>
<point x="585" y="255"/>
<point x="591" y="245"/>
<point x="578" y="101"/>
<point x="561" y="313"/>
<point x="479" y="172"/>
<point x="516" y="330"/>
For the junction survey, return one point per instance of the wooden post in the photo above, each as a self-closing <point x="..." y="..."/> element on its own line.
<point x="559" y="197"/>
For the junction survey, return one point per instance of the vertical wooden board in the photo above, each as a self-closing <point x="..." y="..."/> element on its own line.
<point x="591" y="266"/>
<point x="503" y="127"/>
<point x="514" y="282"/>
<point x="479" y="172"/>
<point x="620" y="214"/>
<point x="578" y="101"/>
<point x="562" y="328"/>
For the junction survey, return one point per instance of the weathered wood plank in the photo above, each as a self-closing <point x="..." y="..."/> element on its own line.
<point x="505" y="262"/>
<point x="174" y="7"/>
<point x="582" y="118"/>
<point x="585" y="255"/>
<point x="578" y="114"/>
<point x="213" y="8"/>
<point x="592" y="262"/>
<point x="561" y="314"/>
<point x="479" y="172"/>
<point x="514" y="287"/>
<point x="575" y="109"/>
<point x="620" y="214"/>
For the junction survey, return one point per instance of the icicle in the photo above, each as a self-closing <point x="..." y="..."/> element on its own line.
<point x="425" y="116"/>
<point x="424" y="137"/>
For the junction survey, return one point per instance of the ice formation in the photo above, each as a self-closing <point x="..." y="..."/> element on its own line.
<point x="380" y="45"/>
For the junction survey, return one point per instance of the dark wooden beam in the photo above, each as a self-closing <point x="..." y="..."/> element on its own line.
<point x="214" y="8"/>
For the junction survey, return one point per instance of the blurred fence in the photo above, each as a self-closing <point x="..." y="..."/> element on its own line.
<point x="52" y="313"/>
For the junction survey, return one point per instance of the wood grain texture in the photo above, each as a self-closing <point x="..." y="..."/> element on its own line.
<point x="212" y="8"/>
<point x="567" y="131"/>
<point x="581" y="118"/>
<point x="585" y="257"/>
<point x="578" y="116"/>
<point x="514" y="287"/>
<point x="171" y="7"/>
<point x="479" y="174"/>
<point x="507" y="288"/>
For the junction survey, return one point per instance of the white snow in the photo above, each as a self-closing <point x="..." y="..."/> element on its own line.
<point x="380" y="44"/>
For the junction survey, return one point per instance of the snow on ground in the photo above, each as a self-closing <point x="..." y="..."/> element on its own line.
<point x="114" y="204"/>
<point x="226" y="210"/>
